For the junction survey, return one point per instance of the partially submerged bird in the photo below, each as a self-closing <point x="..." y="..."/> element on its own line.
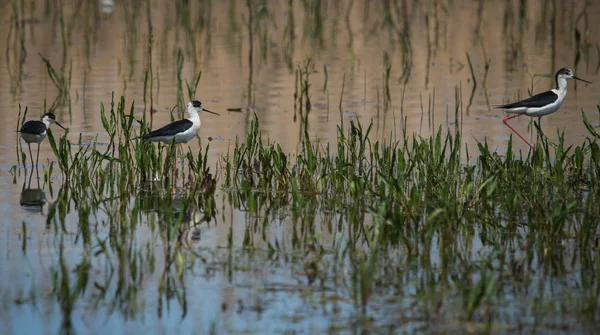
<point x="180" y="131"/>
<point x="35" y="131"/>
<point x="541" y="104"/>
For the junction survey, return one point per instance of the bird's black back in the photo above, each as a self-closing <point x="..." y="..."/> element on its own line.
<point x="171" y="129"/>
<point x="33" y="127"/>
<point x="536" y="101"/>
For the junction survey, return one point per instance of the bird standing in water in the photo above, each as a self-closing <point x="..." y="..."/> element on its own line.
<point x="35" y="131"/>
<point x="180" y="131"/>
<point x="541" y="104"/>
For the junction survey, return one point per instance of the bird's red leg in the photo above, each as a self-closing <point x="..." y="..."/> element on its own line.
<point x="37" y="158"/>
<point x="30" y="156"/>
<point x="175" y="165"/>
<point x="513" y="129"/>
<point x="174" y="191"/>
<point x="540" y="126"/>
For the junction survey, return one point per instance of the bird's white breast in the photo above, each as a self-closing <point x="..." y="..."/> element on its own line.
<point x="550" y="108"/>
<point x="183" y="137"/>
<point x="187" y="135"/>
<point x="33" y="138"/>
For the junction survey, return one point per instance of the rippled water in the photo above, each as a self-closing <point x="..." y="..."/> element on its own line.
<point x="421" y="52"/>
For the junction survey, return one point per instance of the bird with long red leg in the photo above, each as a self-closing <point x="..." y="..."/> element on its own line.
<point x="541" y="104"/>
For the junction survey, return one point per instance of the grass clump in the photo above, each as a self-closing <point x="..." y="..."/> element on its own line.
<point x="408" y="197"/>
<point x="418" y="176"/>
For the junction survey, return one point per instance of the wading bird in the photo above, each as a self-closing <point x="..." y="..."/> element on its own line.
<point x="180" y="131"/>
<point x="541" y="104"/>
<point x="35" y="131"/>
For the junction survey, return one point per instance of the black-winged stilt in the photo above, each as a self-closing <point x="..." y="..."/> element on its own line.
<point x="35" y="131"/>
<point x="541" y="104"/>
<point x="180" y="131"/>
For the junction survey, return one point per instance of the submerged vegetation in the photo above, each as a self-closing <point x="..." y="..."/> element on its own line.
<point x="408" y="221"/>
<point x="373" y="230"/>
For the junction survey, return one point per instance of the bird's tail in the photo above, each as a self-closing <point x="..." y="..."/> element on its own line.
<point x="511" y="108"/>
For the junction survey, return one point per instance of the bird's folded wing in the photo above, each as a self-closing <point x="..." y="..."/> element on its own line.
<point x="33" y="127"/>
<point x="171" y="129"/>
<point x="536" y="101"/>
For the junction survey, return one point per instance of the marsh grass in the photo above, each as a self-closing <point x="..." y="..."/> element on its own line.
<point x="180" y="98"/>
<point x="289" y="37"/>
<point x="314" y="22"/>
<point x="387" y="97"/>
<point x="474" y="79"/>
<point x="16" y="50"/>
<point x="368" y="216"/>
<point x="303" y="73"/>
<point x="419" y="189"/>
<point x="62" y="82"/>
<point x="392" y="172"/>
<point x="455" y="233"/>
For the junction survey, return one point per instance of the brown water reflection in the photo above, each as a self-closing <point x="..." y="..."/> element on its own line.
<point x="397" y="64"/>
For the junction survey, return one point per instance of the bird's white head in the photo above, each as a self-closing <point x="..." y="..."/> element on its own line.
<point x="195" y="107"/>
<point x="561" y="78"/>
<point x="50" y="118"/>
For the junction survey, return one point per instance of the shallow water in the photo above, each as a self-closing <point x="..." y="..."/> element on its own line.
<point x="234" y="282"/>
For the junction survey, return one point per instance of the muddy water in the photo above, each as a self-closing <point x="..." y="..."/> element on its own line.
<point x="440" y="61"/>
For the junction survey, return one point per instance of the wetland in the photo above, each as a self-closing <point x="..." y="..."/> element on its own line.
<point x="357" y="179"/>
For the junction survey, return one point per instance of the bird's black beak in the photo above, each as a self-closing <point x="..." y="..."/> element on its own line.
<point x="58" y="124"/>
<point x="585" y="81"/>
<point x="206" y="110"/>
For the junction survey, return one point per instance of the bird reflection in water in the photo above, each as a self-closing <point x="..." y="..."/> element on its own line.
<point x="193" y="211"/>
<point x="182" y="212"/>
<point x="182" y="217"/>
<point x="32" y="199"/>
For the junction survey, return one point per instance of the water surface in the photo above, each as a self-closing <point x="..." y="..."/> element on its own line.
<point x="400" y="65"/>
